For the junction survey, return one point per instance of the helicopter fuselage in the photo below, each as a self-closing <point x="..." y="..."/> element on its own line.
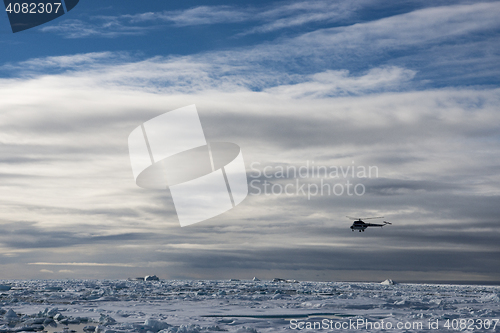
<point x="361" y="226"/>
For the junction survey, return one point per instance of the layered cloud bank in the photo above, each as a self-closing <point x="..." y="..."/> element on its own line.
<point x="403" y="93"/>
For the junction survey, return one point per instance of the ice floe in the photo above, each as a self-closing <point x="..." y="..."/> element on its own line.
<point x="388" y="282"/>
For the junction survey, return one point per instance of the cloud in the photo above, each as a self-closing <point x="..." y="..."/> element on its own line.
<point x="407" y="28"/>
<point x="82" y="193"/>
<point x="46" y="271"/>
<point x="273" y="17"/>
<point x="332" y="96"/>
<point x="107" y="27"/>
<point x="436" y="47"/>
<point x="79" y="264"/>
<point x="340" y="83"/>
<point x="140" y="24"/>
<point x="300" y="13"/>
<point x="195" y="16"/>
<point x="65" y="62"/>
<point x="26" y="235"/>
<point x="268" y="18"/>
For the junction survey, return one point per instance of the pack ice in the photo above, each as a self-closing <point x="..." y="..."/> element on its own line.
<point x="111" y="306"/>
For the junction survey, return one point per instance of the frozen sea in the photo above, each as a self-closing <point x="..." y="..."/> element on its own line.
<point x="244" y="306"/>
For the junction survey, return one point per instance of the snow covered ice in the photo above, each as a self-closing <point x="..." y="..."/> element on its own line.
<point x="240" y="306"/>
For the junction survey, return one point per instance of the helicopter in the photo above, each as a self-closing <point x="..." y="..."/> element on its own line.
<point x="361" y="226"/>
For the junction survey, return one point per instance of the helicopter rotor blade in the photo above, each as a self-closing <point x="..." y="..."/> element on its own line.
<point x="364" y="218"/>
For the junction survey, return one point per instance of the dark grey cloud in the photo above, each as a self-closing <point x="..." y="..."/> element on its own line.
<point x="331" y="259"/>
<point x="26" y="235"/>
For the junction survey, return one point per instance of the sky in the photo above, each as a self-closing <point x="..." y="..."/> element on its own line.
<point x="408" y="89"/>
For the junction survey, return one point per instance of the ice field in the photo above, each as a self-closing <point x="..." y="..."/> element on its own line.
<point x="244" y="306"/>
